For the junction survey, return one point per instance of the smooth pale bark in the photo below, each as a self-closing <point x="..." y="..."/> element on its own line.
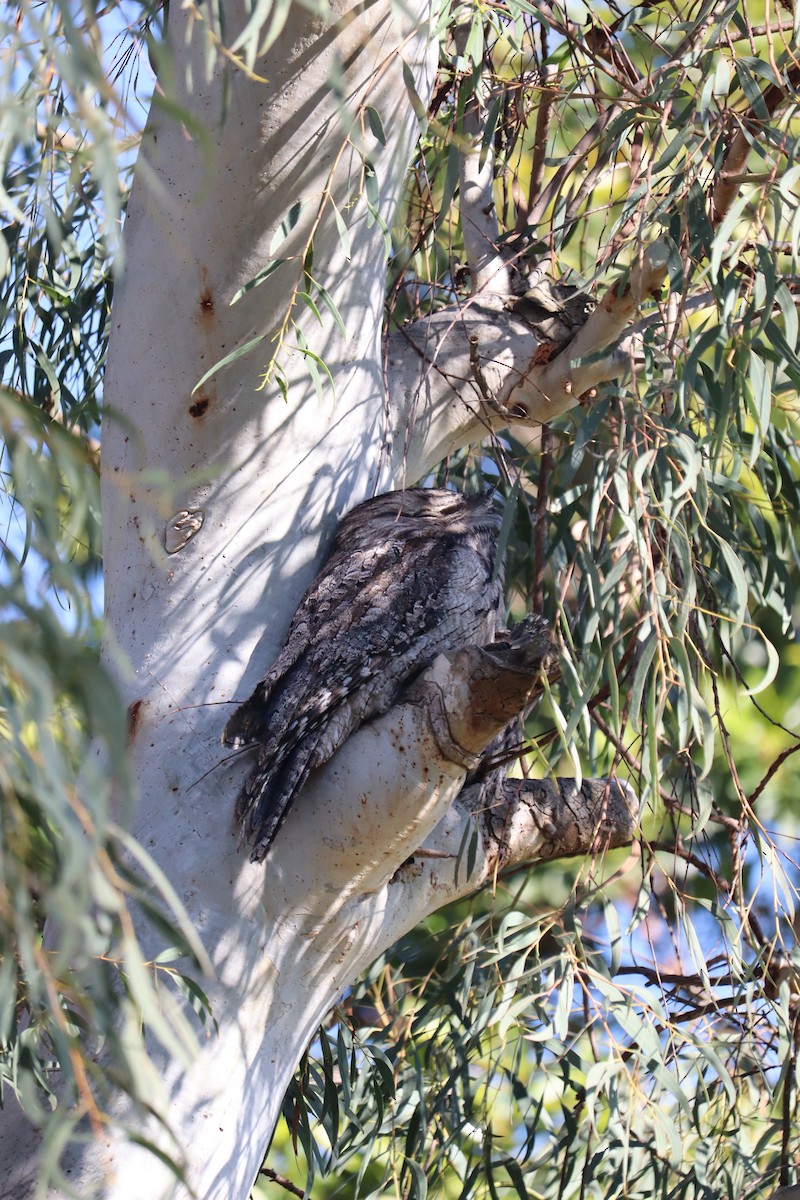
<point x="268" y="476"/>
<point x="219" y="502"/>
<point x="204" y="623"/>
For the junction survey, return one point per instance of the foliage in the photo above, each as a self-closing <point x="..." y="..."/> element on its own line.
<point x="62" y="723"/>
<point x="638" y="1036"/>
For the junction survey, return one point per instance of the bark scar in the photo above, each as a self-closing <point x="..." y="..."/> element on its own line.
<point x="430" y="694"/>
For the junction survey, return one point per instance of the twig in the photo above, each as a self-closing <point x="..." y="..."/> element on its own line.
<point x="680" y="851"/>
<point x="268" y="1173"/>
<point x="585" y="146"/>
<point x="774" y="767"/>
<point x="635" y="766"/>
<point x="738" y="152"/>
<point x="787" y="1124"/>
<point x="540" y="521"/>
<point x="544" y="116"/>
<point x="477" y="369"/>
<point x="676" y="979"/>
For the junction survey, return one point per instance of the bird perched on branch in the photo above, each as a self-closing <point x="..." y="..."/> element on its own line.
<point x="411" y="574"/>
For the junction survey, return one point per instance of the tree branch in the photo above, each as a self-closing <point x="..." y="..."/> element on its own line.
<point x="413" y="849"/>
<point x="738" y="153"/>
<point x="436" y="401"/>
<point x="488" y="269"/>
<point x="553" y="388"/>
<point x="544" y="113"/>
<point x="529" y="821"/>
<point x="542" y="819"/>
<point x="439" y="401"/>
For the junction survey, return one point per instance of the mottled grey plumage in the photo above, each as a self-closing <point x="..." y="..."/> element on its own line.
<point x="411" y="574"/>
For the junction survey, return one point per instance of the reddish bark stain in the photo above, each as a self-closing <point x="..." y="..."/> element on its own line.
<point x="206" y="303"/>
<point x="544" y="352"/>
<point x="199" y="407"/>
<point x="134" y="718"/>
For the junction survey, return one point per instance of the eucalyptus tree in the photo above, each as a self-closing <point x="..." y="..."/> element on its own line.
<point x="368" y="247"/>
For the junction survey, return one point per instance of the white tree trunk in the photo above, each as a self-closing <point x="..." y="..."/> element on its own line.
<point x="244" y="486"/>
<point x="202" y="624"/>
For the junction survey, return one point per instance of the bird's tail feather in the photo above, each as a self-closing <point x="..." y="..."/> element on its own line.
<point x="268" y="794"/>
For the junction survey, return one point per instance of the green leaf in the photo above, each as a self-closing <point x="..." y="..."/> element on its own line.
<point x="748" y="84"/>
<point x="344" y="236"/>
<point x="229" y="358"/>
<point x="417" y="105"/>
<point x="738" y="581"/>
<point x="450" y="184"/>
<point x="418" y="1180"/>
<point x="759" y="400"/>
<point x="771" y="669"/>
<point x="316" y="367"/>
<point x="376" y="124"/>
<point x="473" y="50"/>
<point x="327" y="300"/>
<point x="167" y="891"/>
<point x="646" y="656"/>
<point x="259" y="278"/>
<point x="310" y="305"/>
<point x="287" y="225"/>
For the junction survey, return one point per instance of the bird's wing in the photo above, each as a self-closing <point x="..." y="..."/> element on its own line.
<point x="317" y="619"/>
<point x="374" y="644"/>
<point x="373" y="636"/>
